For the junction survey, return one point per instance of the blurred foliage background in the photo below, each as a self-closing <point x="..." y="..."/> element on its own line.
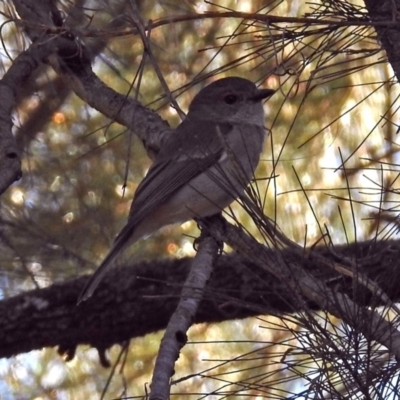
<point x="333" y="138"/>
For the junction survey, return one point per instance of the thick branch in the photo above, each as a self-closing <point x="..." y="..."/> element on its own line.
<point x="138" y="300"/>
<point x="290" y="269"/>
<point x="387" y="10"/>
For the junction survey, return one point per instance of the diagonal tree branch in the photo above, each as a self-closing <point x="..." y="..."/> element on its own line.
<point x="290" y="270"/>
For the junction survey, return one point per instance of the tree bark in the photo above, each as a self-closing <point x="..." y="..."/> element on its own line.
<point x="136" y="300"/>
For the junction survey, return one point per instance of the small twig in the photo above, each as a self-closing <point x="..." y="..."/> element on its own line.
<point x="145" y="33"/>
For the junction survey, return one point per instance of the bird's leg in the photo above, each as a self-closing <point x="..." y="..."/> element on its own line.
<point x="204" y="224"/>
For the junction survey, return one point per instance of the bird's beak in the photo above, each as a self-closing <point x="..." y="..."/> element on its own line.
<point x="262" y="94"/>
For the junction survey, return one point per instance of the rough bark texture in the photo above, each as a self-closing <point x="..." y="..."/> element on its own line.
<point x="134" y="301"/>
<point x="387" y="10"/>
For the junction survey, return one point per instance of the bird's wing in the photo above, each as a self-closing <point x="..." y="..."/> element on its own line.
<point x="180" y="160"/>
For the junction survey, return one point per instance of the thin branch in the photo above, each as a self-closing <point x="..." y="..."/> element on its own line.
<point x="175" y="335"/>
<point x="262" y="18"/>
<point x="145" y="36"/>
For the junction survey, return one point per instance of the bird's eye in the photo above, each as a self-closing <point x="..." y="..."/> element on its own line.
<point x="230" y="99"/>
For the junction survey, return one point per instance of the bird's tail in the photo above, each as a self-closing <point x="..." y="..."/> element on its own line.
<point x="122" y="242"/>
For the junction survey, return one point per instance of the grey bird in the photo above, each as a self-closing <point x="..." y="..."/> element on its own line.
<point x="201" y="168"/>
